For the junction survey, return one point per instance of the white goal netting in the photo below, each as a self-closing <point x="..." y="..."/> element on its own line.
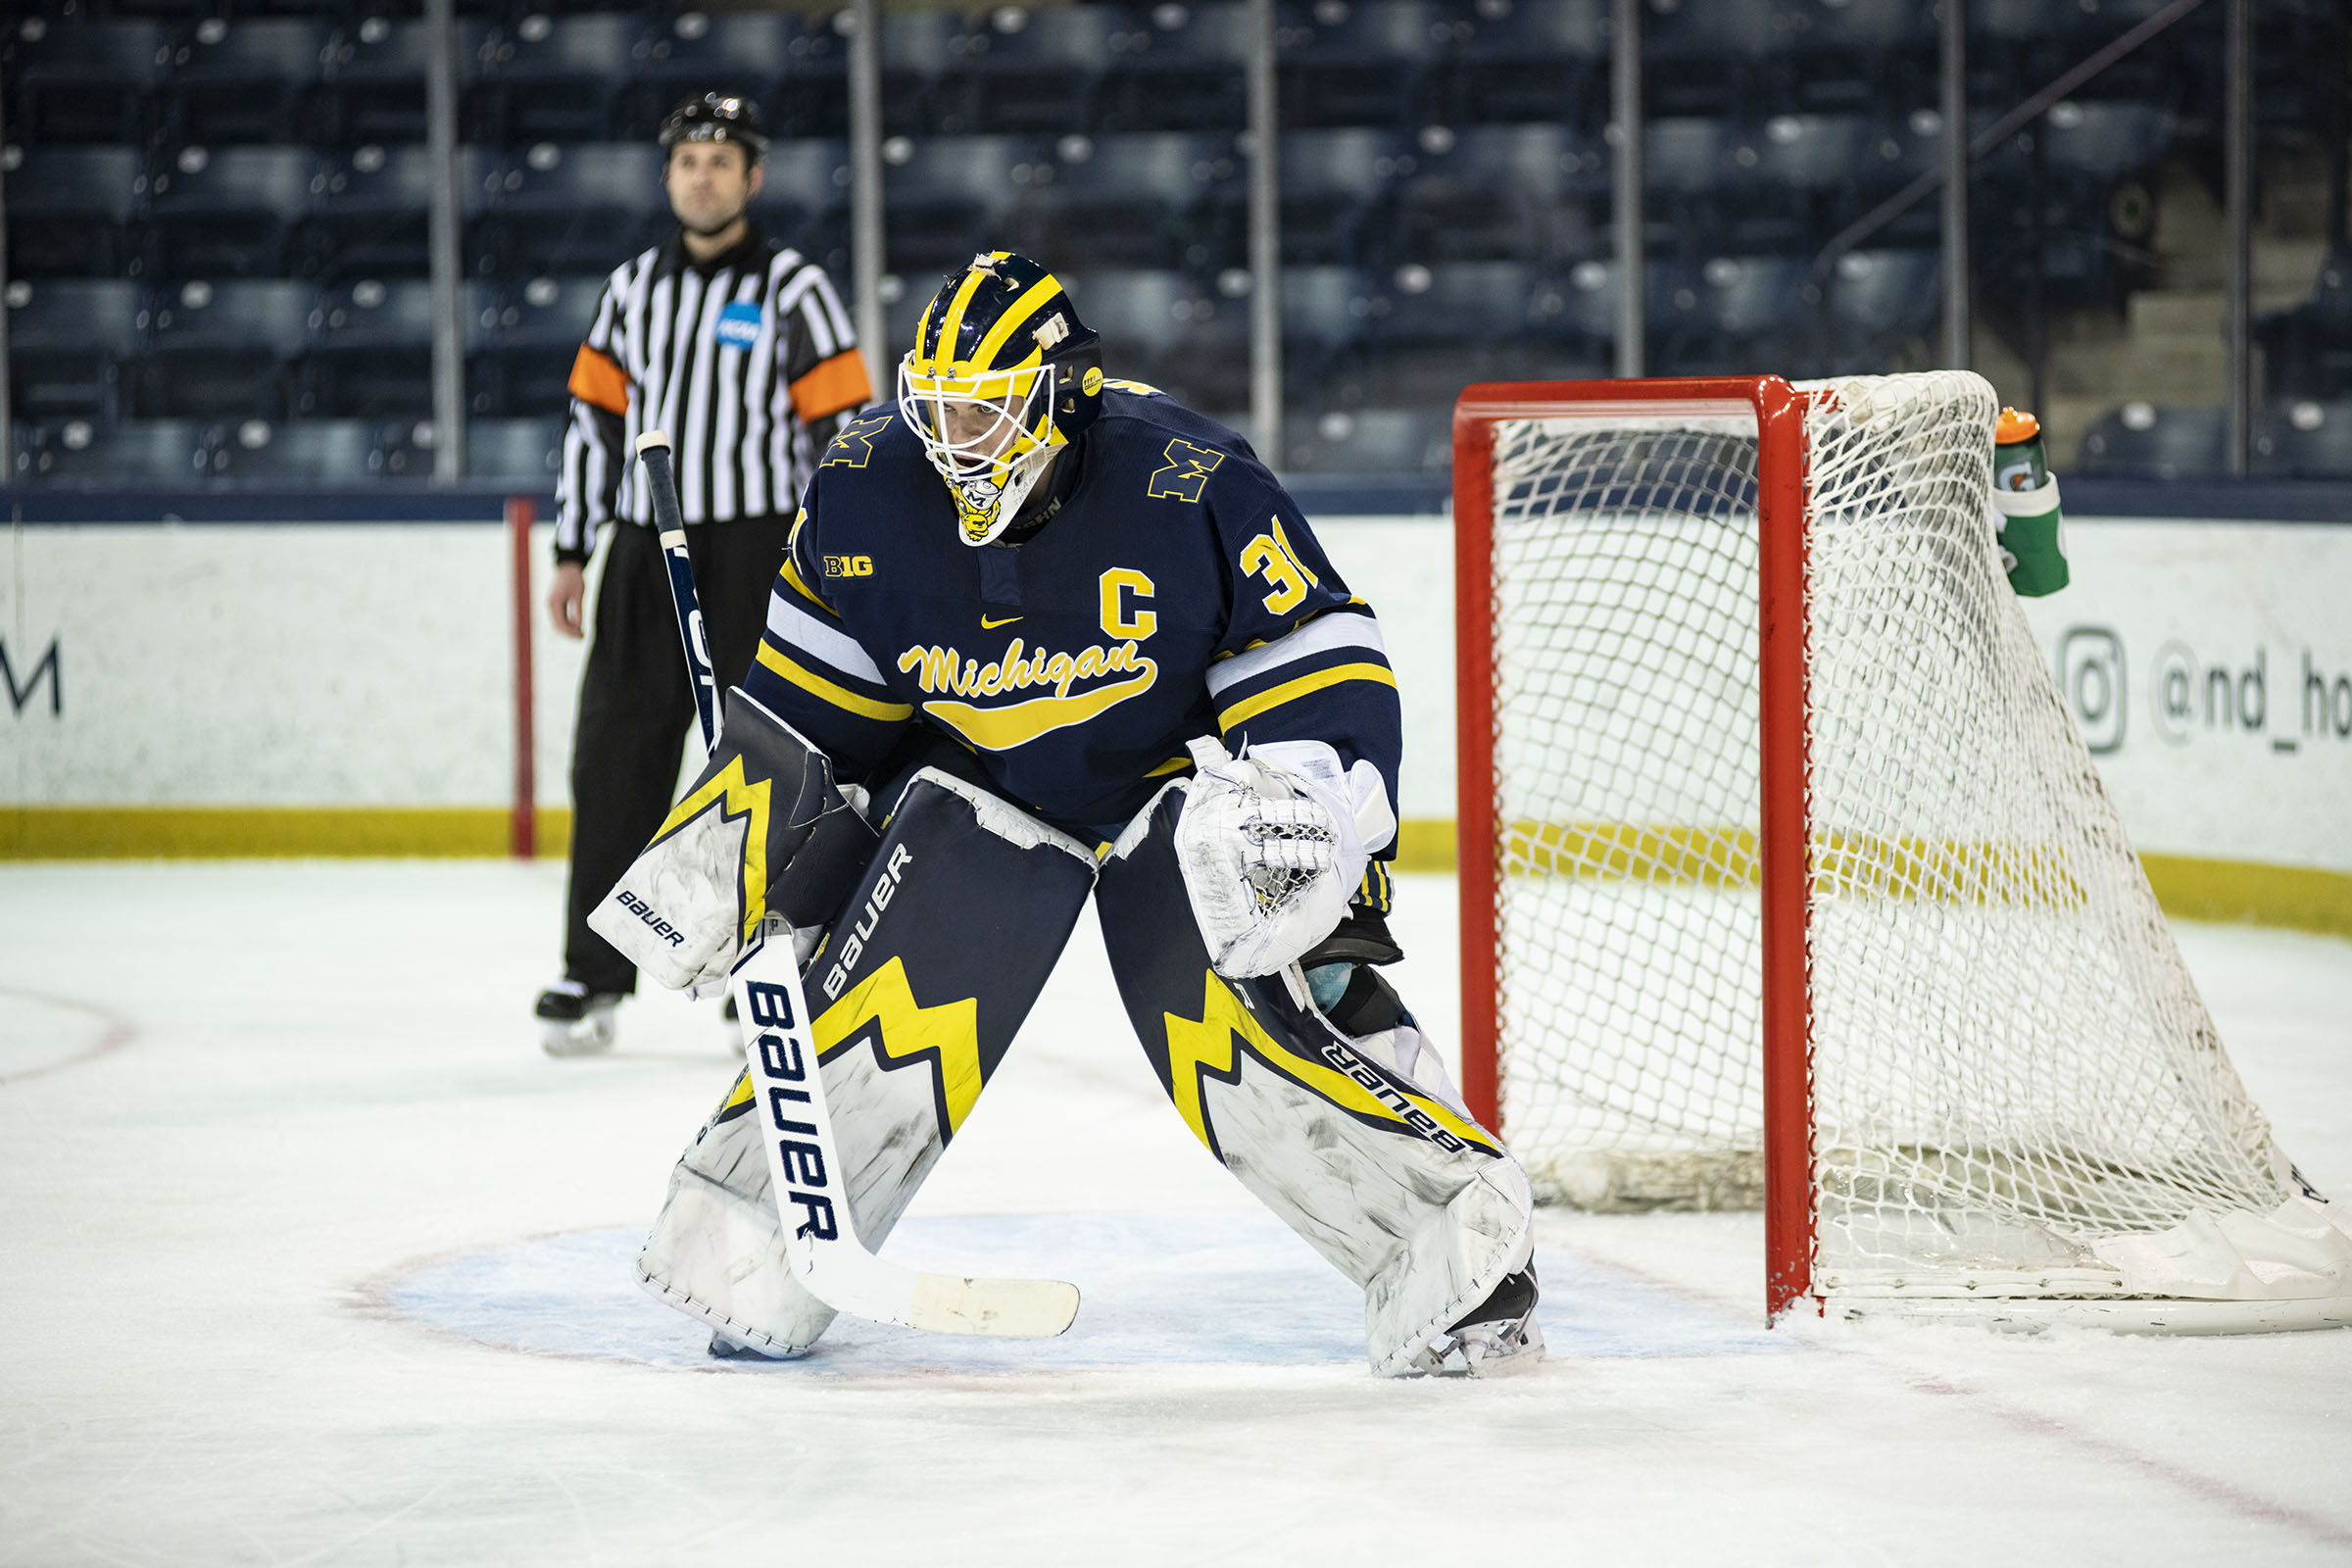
<point x="2016" y="1089"/>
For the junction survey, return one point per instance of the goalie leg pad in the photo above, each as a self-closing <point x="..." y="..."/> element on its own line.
<point x="1379" y="1170"/>
<point x="917" y="991"/>
<point x="760" y="833"/>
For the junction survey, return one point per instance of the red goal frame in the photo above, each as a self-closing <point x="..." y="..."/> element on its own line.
<point x="1781" y="504"/>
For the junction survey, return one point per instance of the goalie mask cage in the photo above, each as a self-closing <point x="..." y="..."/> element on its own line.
<point x="1787" y="879"/>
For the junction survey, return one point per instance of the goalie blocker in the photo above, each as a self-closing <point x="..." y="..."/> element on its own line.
<point x="762" y="832"/>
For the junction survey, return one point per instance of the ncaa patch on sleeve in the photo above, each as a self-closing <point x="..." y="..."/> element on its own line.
<point x="739" y="325"/>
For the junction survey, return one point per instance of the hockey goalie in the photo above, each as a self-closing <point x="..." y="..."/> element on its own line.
<point x="1041" y="635"/>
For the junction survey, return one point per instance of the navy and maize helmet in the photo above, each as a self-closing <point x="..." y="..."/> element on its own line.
<point x="1003" y="374"/>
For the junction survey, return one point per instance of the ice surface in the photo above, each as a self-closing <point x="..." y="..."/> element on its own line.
<point x="307" y="1255"/>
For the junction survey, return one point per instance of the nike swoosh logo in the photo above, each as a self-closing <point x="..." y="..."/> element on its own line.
<point x="987" y="625"/>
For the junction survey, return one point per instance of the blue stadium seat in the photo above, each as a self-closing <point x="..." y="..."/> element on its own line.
<point x="368" y="218"/>
<point x="2141" y="441"/>
<point x="554" y="78"/>
<point x="247" y="81"/>
<point x="1324" y="310"/>
<point x="520" y="341"/>
<point x="1685" y="155"/>
<point x="1032" y="70"/>
<point x="1868" y="56"/>
<point x="2305" y="439"/>
<point x="1687" y="166"/>
<point x="370" y="352"/>
<point x="220" y="350"/>
<point x="1431" y="329"/>
<point x="1501" y="193"/>
<point x="920" y="49"/>
<point x="66" y="340"/>
<point x="1878" y="300"/>
<point x="374" y="86"/>
<point x="1737" y="315"/>
<point x="405" y="449"/>
<point x="1370" y="441"/>
<point x="1524" y="61"/>
<point x="1143" y="200"/>
<point x="82" y="80"/>
<point x="1576" y="310"/>
<point x="228" y="212"/>
<point x="296" y="453"/>
<point x="1162" y="328"/>
<point x="2307" y="350"/>
<point x="946" y="197"/>
<point x="583" y="208"/>
<point x="2103" y="142"/>
<point x="93" y="454"/>
<point x="1786" y="184"/>
<point x="1356" y="62"/>
<point x="526" y="453"/>
<point x="69" y="210"/>
<point x="813" y="97"/>
<point x="803" y="199"/>
<point x="1336" y="199"/>
<point x="1184" y="71"/>
<point x="1705" y="57"/>
<point x="744" y="53"/>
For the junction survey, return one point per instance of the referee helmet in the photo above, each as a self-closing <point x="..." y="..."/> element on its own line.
<point x="717" y="117"/>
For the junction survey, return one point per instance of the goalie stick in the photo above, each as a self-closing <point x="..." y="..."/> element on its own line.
<point x="805" y="1164"/>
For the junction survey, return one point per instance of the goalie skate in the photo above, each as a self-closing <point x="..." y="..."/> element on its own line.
<point x="575" y="1021"/>
<point x="1497" y="1339"/>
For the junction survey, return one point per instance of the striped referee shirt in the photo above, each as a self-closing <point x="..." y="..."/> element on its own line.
<point x="744" y="360"/>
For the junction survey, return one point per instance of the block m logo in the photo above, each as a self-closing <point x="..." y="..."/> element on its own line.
<point x="1186" y="471"/>
<point x="18" y="696"/>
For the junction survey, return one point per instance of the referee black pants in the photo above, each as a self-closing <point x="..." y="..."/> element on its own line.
<point x="636" y="708"/>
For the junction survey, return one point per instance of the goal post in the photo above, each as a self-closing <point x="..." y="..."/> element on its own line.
<point x="1786" y="881"/>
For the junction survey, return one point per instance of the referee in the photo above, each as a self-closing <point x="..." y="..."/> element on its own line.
<point x="742" y="352"/>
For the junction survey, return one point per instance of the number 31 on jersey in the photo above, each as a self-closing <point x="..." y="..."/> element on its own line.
<point x="1270" y="558"/>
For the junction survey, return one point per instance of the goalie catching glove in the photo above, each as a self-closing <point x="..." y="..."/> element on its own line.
<point x="761" y="838"/>
<point x="1272" y="844"/>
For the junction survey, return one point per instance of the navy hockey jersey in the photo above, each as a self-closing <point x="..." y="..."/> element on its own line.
<point x="1178" y="592"/>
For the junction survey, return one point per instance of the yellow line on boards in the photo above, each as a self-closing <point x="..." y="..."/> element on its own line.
<point x="2255" y="895"/>
<point x="2191" y="888"/>
<point x="240" y="832"/>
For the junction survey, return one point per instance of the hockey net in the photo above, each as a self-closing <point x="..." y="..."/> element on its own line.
<point x="1950" y="1044"/>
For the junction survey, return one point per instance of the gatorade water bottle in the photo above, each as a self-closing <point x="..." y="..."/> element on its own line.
<point x="2025" y="498"/>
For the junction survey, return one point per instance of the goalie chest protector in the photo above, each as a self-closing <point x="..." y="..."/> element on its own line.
<point x="1073" y="665"/>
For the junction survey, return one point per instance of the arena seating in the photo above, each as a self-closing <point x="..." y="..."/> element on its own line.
<point x="1446" y="196"/>
<point x="1523" y="62"/>
<point x="2141" y="441"/>
<point x="67" y="339"/>
<point x="366" y="215"/>
<point x="369" y="352"/>
<point x="69" y="210"/>
<point x="2305" y="439"/>
<point x="220" y="350"/>
<point x="1182" y="71"/>
<point x="252" y="79"/>
<point x="1145" y="199"/>
<point x="231" y="212"/>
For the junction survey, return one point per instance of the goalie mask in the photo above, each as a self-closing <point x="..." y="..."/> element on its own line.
<point x="1003" y="376"/>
